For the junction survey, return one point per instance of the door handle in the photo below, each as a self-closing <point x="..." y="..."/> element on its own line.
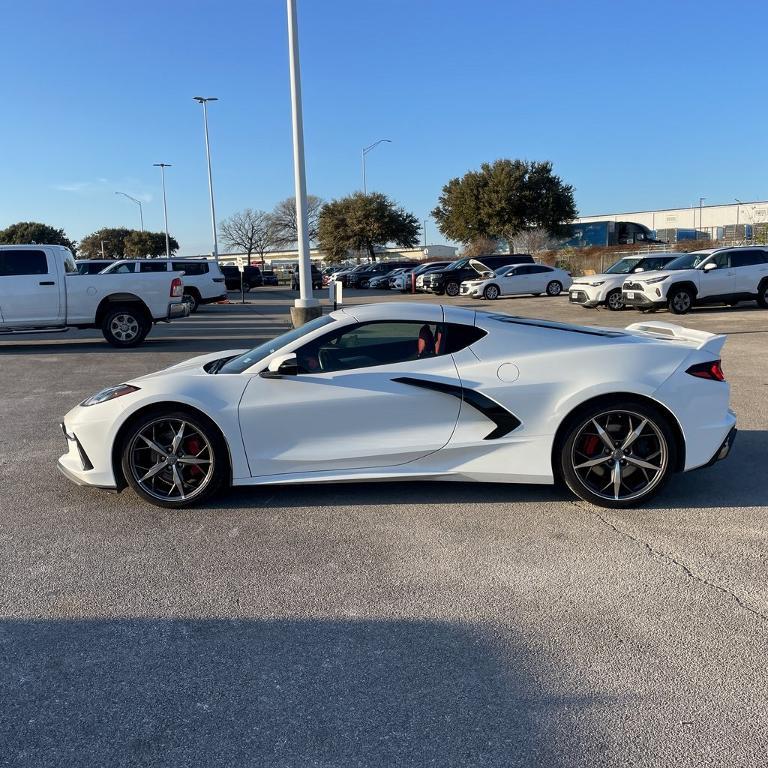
<point x="47" y="282"/>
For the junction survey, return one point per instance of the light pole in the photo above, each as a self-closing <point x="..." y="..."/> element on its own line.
<point x="162" y="167"/>
<point x="701" y="226"/>
<point x="138" y="202"/>
<point x="306" y="306"/>
<point x="738" y="208"/>
<point x="204" y="101"/>
<point x="365" y="151"/>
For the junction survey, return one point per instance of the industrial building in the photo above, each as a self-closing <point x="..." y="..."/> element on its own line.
<point x="736" y="221"/>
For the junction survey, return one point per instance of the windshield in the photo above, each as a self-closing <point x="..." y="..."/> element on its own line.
<point x="623" y="267"/>
<point x="686" y="261"/>
<point x="506" y="270"/>
<point x="243" y="362"/>
<point x="458" y="264"/>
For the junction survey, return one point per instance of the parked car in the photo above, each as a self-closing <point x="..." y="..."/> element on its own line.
<point x="713" y="276"/>
<point x="269" y="277"/>
<point x="317" y="278"/>
<point x="93" y="266"/>
<point x="203" y="278"/>
<point x="385" y="281"/>
<point x="448" y="281"/>
<point x="252" y="277"/>
<point x="41" y="290"/>
<point x="605" y="289"/>
<point x="403" y="282"/>
<point x="413" y="390"/>
<point x="362" y="278"/>
<point x="516" y="279"/>
<point x="341" y="275"/>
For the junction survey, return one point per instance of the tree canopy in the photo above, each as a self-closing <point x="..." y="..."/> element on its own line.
<point x="121" y="243"/>
<point x="140" y="244"/>
<point x="285" y="220"/>
<point x="362" y="222"/>
<point x="250" y="231"/>
<point x="502" y="199"/>
<point x="33" y="232"/>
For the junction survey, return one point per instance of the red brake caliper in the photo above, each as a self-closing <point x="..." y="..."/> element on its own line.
<point x="193" y="447"/>
<point x="591" y="444"/>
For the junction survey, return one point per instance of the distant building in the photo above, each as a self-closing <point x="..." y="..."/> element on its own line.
<point x="730" y="221"/>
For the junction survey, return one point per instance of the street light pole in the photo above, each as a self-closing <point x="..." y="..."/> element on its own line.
<point x="162" y="167"/>
<point x="365" y="151"/>
<point x="306" y="306"/>
<point x="138" y="202"/>
<point x="701" y="200"/>
<point x="204" y="101"/>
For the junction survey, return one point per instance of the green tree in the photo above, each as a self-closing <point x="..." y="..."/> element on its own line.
<point x="502" y="199"/>
<point x="362" y="222"/>
<point x="113" y="240"/>
<point x="143" y="244"/>
<point x="29" y="232"/>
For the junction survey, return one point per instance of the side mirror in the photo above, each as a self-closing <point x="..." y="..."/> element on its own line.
<point x="285" y="365"/>
<point x="710" y="266"/>
<point x="638" y="269"/>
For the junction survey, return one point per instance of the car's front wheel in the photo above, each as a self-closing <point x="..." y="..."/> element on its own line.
<point x="617" y="455"/>
<point x="125" y="326"/>
<point x="762" y="295"/>
<point x="491" y="292"/>
<point x="554" y="288"/>
<point x="174" y="459"/>
<point x="452" y="288"/>
<point x="680" y="301"/>
<point x="615" y="300"/>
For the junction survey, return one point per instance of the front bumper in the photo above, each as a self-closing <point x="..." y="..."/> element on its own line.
<point x="640" y="300"/>
<point x="579" y="295"/>
<point x="476" y="291"/>
<point x="76" y="464"/>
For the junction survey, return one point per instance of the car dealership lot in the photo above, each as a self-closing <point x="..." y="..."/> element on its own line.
<point x="383" y="624"/>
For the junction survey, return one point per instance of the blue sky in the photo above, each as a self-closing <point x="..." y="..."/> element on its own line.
<point x="637" y="104"/>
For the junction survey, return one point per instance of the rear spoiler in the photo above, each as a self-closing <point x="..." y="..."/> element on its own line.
<point x="702" y="339"/>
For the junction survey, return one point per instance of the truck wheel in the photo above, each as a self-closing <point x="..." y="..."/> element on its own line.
<point x="191" y="299"/>
<point x="680" y="301"/>
<point x="614" y="300"/>
<point x="452" y="288"/>
<point x="125" y="326"/>
<point x="762" y="295"/>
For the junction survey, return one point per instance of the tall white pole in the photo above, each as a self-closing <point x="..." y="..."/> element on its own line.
<point x="162" y="167"/>
<point x="305" y="269"/>
<point x="365" y="191"/>
<point x="204" y="102"/>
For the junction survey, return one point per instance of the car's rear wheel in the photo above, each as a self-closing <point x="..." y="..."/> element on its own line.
<point x="554" y="288"/>
<point x="174" y="460"/>
<point x="680" y="300"/>
<point x="762" y="294"/>
<point x="125" y="326"/>
<point x="491" y="292"/>
<point x="617" y="455"/>
<point x="452" y="288"/>
<point x="193" y="302"/>
<point x="615" y="300"/>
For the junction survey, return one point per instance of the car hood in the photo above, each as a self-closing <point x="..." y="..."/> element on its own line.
<point x="644" y="276"/>
<point x="587" y="279"/>
<point x="192" y="363"/>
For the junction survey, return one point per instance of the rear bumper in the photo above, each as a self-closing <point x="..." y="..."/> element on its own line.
<point x="724" y="450"/>
<point x="178" y="310"/>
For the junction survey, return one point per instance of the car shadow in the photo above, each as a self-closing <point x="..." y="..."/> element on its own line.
<point x="283" y="692"/>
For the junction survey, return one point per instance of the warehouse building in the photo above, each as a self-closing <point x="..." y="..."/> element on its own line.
<point x="737" y="221"/>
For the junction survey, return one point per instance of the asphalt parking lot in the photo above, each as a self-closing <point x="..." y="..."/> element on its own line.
<point x="365" y="625"/>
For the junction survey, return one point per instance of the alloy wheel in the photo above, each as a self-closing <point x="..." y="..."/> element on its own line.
<point x="452" y="289"/>
<point x="554" y="288"/>
<point x="615" y="300"/>
<point x="124" y="327"/>
<point x="619" y="455"/>
<point x="171" y="460"/>
<point x="681" y="302"/>
<point x="491" y="292"/>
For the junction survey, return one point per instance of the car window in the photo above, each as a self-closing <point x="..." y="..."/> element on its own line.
<point x="69" y="264"/>
<point x="122" y="269"/>
<point x="722" y="260"/>
<point x="190" y="267"/>
<point x="648" y="265"/>
<point x="370" y="344"/>
<point x="748" y="258"/>
<point x="23" y="262"/>
<point x="153" y="266"/>
<point x="458" y="337"/>
<point x="538" y="269"/>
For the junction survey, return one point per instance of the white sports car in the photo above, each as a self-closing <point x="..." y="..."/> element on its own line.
<point x="403" y="391"/>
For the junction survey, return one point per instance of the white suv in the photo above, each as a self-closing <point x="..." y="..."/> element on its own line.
<point x="595" y="290"/>
<point x="724" y="275"/>
<point x="203" y="278"/>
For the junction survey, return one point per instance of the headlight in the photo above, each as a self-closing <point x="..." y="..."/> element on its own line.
<point x="110" y="393"/>
<point x="596" y="283"/>
<point x="655" y="280"/>
<point x="436" y="274"/>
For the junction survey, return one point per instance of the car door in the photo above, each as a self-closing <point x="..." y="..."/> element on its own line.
<point x="31" y="288"/>
<point x="720" y="281"/>
<point x="375" y="394"/>
<point x="539" y="277"/>
<point x="750" y="267"/>
<point x="517" y="281"/>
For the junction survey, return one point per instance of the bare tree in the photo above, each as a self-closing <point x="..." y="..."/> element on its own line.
<point x="284" y="217"/>
<point x="480" y="246"/>
<point x="533" y="241"/>
<point x="250" y="232"/>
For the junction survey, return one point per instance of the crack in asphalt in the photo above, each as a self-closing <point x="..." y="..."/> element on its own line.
<point x="687" y="570"/>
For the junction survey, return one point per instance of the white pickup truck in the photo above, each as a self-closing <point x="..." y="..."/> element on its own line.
<point x="42" y="291"/>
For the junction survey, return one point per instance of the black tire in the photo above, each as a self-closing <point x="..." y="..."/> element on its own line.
<point x="680" y="300"/>
<point x="581" y="442"/>
<point x="615" y="300"/>
<point x="218" y="466"/>
<point x="452" y="288"/>
<point x="491" y="292"/>
<point x="193" y="301"/>
<point x="762" y="295"/>
<point x="554" y="288"/>
<point x="125" y="326"/>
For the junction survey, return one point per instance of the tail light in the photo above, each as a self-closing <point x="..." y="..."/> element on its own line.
<point x="712" y="371"/>
<point x="177" y="287"/>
